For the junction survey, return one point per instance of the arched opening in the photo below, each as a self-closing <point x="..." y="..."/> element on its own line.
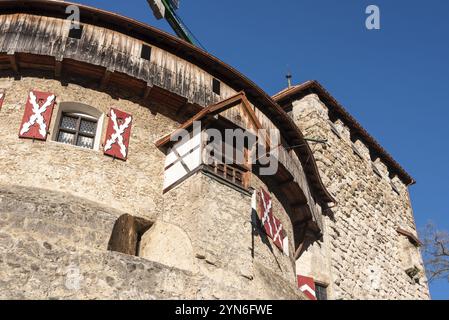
<point x="127" y="234"/>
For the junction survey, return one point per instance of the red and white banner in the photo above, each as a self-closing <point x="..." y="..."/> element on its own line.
<point x="2" y="97"/>
<point x="272" y="225"/>
<point x="37" y="116"/>
<point x="307" y="286"/>
<point x="118" y="134"/>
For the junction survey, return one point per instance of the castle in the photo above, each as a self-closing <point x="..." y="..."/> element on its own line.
<point x="98" y="202"/>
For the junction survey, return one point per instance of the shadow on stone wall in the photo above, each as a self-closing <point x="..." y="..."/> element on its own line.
<point x="127" y="234"/>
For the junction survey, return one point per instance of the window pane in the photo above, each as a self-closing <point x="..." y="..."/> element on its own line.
<point x="321" y="292"/>
<point x="69" y="123"/>
<point x="88" y="127"/>
<point x="85" y="142"/>
<point x="65" y="137"/>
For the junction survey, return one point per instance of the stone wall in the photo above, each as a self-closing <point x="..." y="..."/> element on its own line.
<point x="59" y="205"/>
<point x="53" y="246"/>
<point x="227" y="243"/>
<point x="362" y="256"/>
<point x="133" y="186"/>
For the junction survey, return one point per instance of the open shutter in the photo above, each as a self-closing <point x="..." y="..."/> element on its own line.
<point x="182" y="160"/>
<point x="37" y="116"/>
<point x="2" y="97"/>
<point x="272" y="225"/>
<point x="118" y="134"/>
<point x="307" y="286"/>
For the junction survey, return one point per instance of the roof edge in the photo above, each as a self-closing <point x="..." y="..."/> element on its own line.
<point x="285" y="96"/>
<point x="181" y="48"/>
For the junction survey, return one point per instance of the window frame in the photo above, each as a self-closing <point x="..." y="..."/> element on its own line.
<point x="146" y="52"/>
<point x="77" y="132"/>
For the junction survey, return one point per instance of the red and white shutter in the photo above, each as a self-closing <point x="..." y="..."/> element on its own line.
<point x="2" y="97"/>
<point x="37" y="116"/>
<point x="266" y="212"/>
<point x="118" y="134"/>
<point x="307" y="286"/>
<point x="280" y="238"/>
<point x="272" y="225"/>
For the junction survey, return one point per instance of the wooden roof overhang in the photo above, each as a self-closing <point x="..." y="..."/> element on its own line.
<point x="138" y="30"/>
<point x="285" y="98"/>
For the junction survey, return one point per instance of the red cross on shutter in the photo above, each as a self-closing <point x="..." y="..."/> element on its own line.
<point x="37" y="115"/>
<point x="118" y="134"/>
<point x="272" y="225"/>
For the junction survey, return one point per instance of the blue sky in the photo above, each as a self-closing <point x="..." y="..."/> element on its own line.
<point x="395" y="81"/>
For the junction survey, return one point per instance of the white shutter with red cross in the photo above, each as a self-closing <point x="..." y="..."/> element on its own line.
<point x="37" y="116"/>
<point x="272" y="225"/>
<point x="307" y="286"/>
<point x="118" y="134"/>
<point x="2" y="97"/>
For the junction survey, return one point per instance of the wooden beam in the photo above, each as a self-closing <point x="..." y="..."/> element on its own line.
<point x="58" y="69"/>
<point x="147" y="91"/>
<point x="13" y="62"/>
<point x="181" y="113"/>
<point x="299" y="205"/>
<point x="285" y="183"/>
<point x="106" y="77"/>
<point x="298" y="251"/>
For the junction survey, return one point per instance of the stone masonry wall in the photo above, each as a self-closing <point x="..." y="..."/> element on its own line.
<point x="362" y="255"/>
<point x="53" y="246"/>
<point x="133" y="186"/>
<point x="59" y="204"/>
<point x="219" y="223"/>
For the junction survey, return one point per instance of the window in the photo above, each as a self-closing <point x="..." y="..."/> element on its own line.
<point x="146" y="52"/>
<point x="395" y="188"/>
<point x="376" y="171"/>
<point x="76" y="31"/>
<point x="357" y="152"/>
<point x="321" y="292"/>
<point x="216" y="86"/>
<point x="77" y="129"/>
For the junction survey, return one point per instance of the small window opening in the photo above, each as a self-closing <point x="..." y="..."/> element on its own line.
<point x="377" y="171"/>
<point x="395" y="188"/>
<point x="334" y="129"/>
<point x="216" y="86"/>
<point x="77" y="129"/>
<point x="321" y="292"/>
<point x="76" y="32"/>
<point x="357" y="152"/>
<point x="127" y="234"/>
<point x="146" y="52"/>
